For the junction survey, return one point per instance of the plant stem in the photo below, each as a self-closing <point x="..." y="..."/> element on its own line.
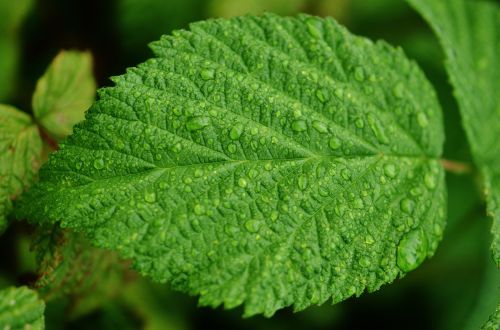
<point x="456" y="167"/>
<point x="48" y="139"/>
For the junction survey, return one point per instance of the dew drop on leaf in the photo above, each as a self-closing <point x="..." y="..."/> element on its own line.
<point x="252" y="226"/>
<point x="377" y="129"/>
<point x="99" y="164"/>
<point x="207" y="74"/>
<point x="359" y="74"/>
<point x="150" y="197"/>
<point x="334" y="143"/>
<point x="242" y="182"/>
<point x="196" y="123"/>
<point x="407" y="205"/>
<point x="299" y="126"/>
<point x="412" y="250"/>
<point x="231" y="148"/>
<point x="430" y="181"/>
<point x="359" y="123"/>
<point x="236" y="131"/>
<point x="320" y="126"/>
<point x="390" y="170"/>
<point x="321" y="95"/>
<point x="422" y="119"/>
<point x="198" y="209"/>
<point x="302" y="181"/>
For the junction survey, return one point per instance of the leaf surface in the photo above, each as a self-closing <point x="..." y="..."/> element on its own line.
<point x="260" y="160"/>
<point x="20" y="156"/>
<point x="470" y="35"/>
<point x="64" y="92"/>
<point x="20" y="308"/>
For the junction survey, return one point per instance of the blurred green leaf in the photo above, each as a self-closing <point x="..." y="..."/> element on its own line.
<point x="20" y="308"/>
<point x="20" y="156"/>
<point x="469" y="35"/>
<point x="12" y="14"/>
<point x="64" y="92"/>
<point x="70" y="267"/>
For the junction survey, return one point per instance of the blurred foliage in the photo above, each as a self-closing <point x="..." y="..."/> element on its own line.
<point x="456" y="289"/>
<point x="12" y="14"/>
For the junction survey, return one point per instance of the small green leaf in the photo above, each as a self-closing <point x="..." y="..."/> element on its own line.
<point x="468" y="32"/>
<point x="20" y="156"/>
<point x="70" y="266"/>
<point x="64" y="92"/>
<point x="20" y="308"/>
<point x="258" y="160"/>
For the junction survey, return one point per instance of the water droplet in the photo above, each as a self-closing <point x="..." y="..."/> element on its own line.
<point x="377" y="129"/>
<point x="390" y="170"/>
<point x="369" y="240"/>
<point x="268" y="166"/>
<point x="207" y="74"/>
<point x="274" y="215"/>
<point x="199" y="209"/>
<point x="346" y="174"/>
<point x="252" y="226"/>
<point x="299" y="126"/>
<point x="99" y="164"/>
<point x="198" y="173"/>
<point x="197" y="123"/>
<point x="188" y="180"/>
<point x="242" y="182"/>
<point x="78" y="165"/>
<point x="150" y="197"/>
<point x="252" y="173"/>
<point x="422" y="119"/>
<point x="407" y="205"/>
<point x="320" y="126"/>
<point x="412" y="250"/>
<point x="231" y="148"/>
<point x="430" y="181"/>
<point x="398" y="90"/>
<point x="359" y="74"/>
<point x="364" y="261"/>
<point x="302" y="181"/>
<point x="358" y="203"/>
<point x="236" y="131"/>
<point x="321" y="95"/>
<point x="334" y="143"/>
<point x="230" y="230"/>
<point x="359" y="123"/>
<point x="415" y="191"/>
<point x="315" y="28"/>
<point x="177" y="148"/>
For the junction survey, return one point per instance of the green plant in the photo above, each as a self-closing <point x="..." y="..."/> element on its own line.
<point x="261" y="160"/>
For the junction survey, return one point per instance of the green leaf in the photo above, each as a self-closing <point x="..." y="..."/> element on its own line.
<point x="20" y="308"/>
<point x="494" y="321"/>
<point x="69" y="265"/>
<point x="64" y="92"/>
<point x="20" y="156"/>
<point x="468" y="32"/>
<point x="260" y="160"/>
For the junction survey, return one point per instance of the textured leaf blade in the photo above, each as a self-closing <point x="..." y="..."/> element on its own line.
<point x="20" y="308"/>
<point x="260" y="160"/>
<point x="64" y="92"/>
<point x="468" y="32"/>
<point x="20" y="156"/>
